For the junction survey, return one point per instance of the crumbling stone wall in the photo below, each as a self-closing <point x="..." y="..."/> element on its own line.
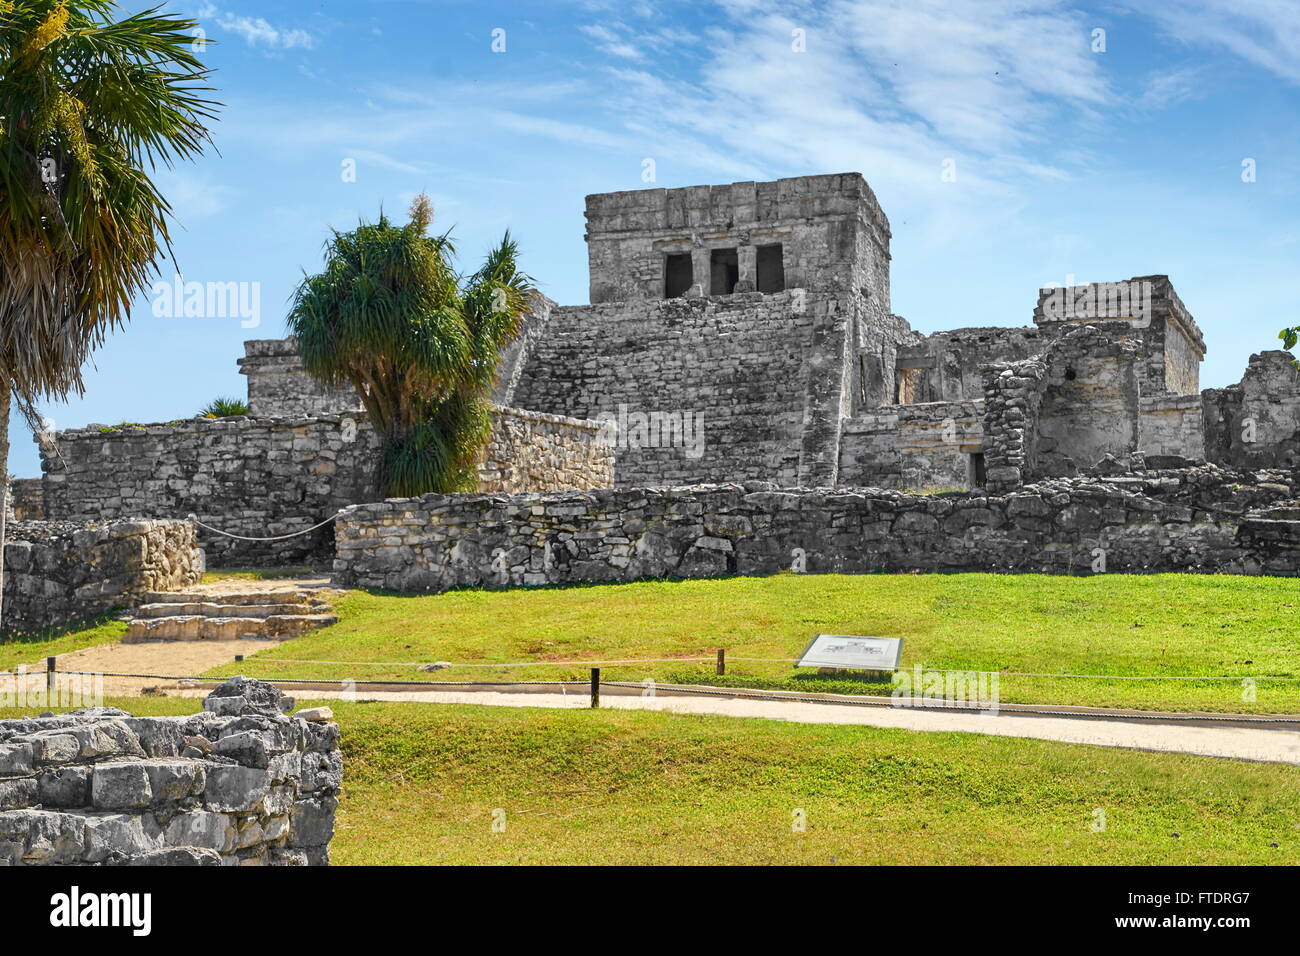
<point x="263" y="477"/>
<point x="278" y="386"/>
<point x="738" y="363"/>
<point x="913" y="447"/>
<point x="1256" y="423"/>
<point x="240" y="783"/>
<point x="248" y="476"/>
<point x="26" y="500"/>
<point x="531" y="451"/>
<point x="1195" y="519"/>
<point x="1172" y="425"/>
<point x="1012" y="396"/>
<point x="948" y="365"/>
<point x="58" y="572"/>
<point x="1090" y="404"/>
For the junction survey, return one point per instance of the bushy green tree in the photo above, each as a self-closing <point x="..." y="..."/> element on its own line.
<point x="390" y="316"/>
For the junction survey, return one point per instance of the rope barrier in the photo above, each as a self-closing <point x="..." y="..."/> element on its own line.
<point x="768" y="660"/>
<point x="278" y="537"/>
<point x="1038" y="710"/>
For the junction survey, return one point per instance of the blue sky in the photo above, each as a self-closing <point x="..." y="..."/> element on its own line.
<point x="1070" y="161"/>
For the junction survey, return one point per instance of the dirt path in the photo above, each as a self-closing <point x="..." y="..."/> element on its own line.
<point x="169" y="658"/>
<point x="1280" y="744"/>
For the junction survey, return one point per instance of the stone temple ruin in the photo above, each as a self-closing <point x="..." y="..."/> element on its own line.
<point x="740" y="343"/>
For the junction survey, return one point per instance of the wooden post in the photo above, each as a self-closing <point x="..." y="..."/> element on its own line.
<point x="722" y="661"/>
<point x="49" y="680"/>
<point x="595" y="687"/>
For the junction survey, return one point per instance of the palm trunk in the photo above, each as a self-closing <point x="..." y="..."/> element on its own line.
<point x="4" y="486"/>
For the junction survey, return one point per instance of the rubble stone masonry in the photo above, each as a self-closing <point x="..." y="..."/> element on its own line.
<point x="61" y="571"/>
<point x="238" y="784"/>
<point x="1202" y="518"/>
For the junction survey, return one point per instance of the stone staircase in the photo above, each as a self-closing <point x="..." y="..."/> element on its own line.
<point x="233" y="610"/>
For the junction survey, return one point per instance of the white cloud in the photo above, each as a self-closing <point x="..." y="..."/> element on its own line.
<point x="1170" y="87"/>
<point x="1263" y="32"/>
<point x="191" y="194"/>
<point x="256" y="31"/>
<point x="609" y="41"/>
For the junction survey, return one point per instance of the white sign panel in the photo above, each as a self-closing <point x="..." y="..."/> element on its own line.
<point x="849" y="652"/>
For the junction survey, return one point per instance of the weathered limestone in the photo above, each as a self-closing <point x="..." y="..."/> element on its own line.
<point x="26" y="500"/>
<point x="532" y="451"/>
<point x="1256" y="423"/>
<point x="265" y="477"/>
<point x="735" y="366"/>
<point x="272" y="613"/>
<point x="240" y="784"/>
<point x="61" y="571"/>
<point x="1201" y="518"/>
<point x="278" y="387"/>
<point x="935" y="446"/>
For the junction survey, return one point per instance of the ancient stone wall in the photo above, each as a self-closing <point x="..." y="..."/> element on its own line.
<point x="238" y="784"/>
<point x="532" y="451"/>
<point x="1256" y="423"/>
<point x="913" y="447"/>
<point x="946" y="366"/>
<point x="278" y="387"/>
<point x="1196" y="519"/>
<point x="1172" y="425"/>
<point x="1012" y="396"/>
<point x="826" y="226"/>
<point x="58" y="572"/>
<point x="737" y="367"/>
<point x="257" y="477"/>
<point x="262" y="477"/>
<point x="1090" y="404"/>
<point x="26" y="500"/>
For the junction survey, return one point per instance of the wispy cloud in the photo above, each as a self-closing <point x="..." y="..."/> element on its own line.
<point x="1263" y="32"/>
<point x="257" y="31"/>
<point x="1167" y="88"/>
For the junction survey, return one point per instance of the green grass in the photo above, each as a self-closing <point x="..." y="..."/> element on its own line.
<point x="32" y="648"/>
<point x="1129" y="625"/>
<point x="421" y="783"/>
<point x="263" y="574"/>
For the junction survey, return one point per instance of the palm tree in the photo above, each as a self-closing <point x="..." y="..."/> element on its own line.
<point x="390" y="316"/>
<point x="223" y="408"/>
<point x="89" y="106"/>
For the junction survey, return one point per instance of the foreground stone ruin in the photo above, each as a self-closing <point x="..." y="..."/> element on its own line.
<point x="239" y="784"/>
<point x="60" y="571"/>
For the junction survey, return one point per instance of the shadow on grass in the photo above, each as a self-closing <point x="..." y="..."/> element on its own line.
<point x="880" y="572"/>
<point x="42" y="635"/>
<point x="266" y="574"/>
<point x="870" y="683"/>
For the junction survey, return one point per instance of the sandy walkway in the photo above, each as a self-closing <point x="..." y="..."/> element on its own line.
<point x="180" y="658"/>
<point x="1242" y="743"/>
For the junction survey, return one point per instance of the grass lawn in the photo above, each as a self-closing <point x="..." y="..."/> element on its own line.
<point x="32" y="649"/>
<point x="422" y="781"/>
<point x="1168" y="625"/>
